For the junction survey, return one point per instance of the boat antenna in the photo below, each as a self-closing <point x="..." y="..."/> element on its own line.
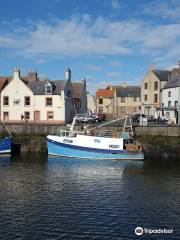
<point x="115" y="120"/>
<point x="73" y="124"/>
<point x="130" y="125"/>
<point x="6" y="128"/>
<point x="104" y="124"/>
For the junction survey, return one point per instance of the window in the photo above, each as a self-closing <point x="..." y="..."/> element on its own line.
<point x="100" y="101"/>
<point x="50" y="115"/>
<point x="48" y="101"/>
<point x="122" y="110"/>
<point x="168" y="114"/>
<point x="26" y="115"/>
<point x="176" y="103"/>
<point x="123" y="100"/>
<point x="169" y="103"/>
<point x="155" y="86"/>
<point x="145" y="85"/>
<point x="100" y="109"/>
<point x="48" y="88"/>
<point x="134" y="99"/>
<point x="68" y="93"/>
<point x="27" y="101"/>
<point x="145" y="98"/>
<point x="155" y="98"/>
<point x="6" y="101"/>
<point x="169" y="94"/>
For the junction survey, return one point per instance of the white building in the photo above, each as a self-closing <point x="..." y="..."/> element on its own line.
<point x="91" y="103"/>
<point x="171" y="100"/>
<point x="32" y="100"/>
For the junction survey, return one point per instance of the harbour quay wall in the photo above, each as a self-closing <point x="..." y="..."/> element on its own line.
<point x="157" y="142"/>
<point x="172" y="131"/>
<point x="29" y="128"/>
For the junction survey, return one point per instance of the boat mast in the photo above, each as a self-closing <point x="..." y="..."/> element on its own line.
<point x="73" y="124"/>
<point x="6" y="128"/>
<point x="124" y="127"/>
<point x="130" y="126"/>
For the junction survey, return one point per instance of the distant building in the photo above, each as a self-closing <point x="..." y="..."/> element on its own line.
<point x="105" y="101"/>
<point x="91" y="103"/>
<point x="29" y="99"/>
<point x="154" y="81"/>
<point x="127" y="100"/>
<point x="80" y="96"/>
<point x="170" y="107"/>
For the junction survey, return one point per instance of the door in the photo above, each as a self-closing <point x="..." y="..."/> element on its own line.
<point x="5" y="116"/>
<point x="36" y="116"/>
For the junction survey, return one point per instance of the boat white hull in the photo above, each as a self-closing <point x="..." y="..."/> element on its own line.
<point x="68" y="150"/>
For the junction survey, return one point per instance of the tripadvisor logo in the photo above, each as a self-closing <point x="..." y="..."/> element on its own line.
<point x="139" y="231"/>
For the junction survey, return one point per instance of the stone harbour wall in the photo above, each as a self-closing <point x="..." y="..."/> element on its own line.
<point x="157" y="142"/>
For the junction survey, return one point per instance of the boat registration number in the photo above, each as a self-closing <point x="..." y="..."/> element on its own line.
<point x="67" y="141"/>
<point x="113" y="146"/>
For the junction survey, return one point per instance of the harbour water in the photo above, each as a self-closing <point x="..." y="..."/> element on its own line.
<point x="58" y="198"/>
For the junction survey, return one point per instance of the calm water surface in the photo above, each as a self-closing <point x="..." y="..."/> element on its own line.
<point x="57" y="198"/>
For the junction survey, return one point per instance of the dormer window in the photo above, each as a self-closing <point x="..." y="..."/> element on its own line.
<point x="48" y="89"/>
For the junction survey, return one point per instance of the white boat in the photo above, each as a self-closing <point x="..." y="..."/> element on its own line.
<point x="87" y="145"/>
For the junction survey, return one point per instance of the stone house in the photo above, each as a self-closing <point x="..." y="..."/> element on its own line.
<point x="32" y="100"/>
<point x="105" y="101"/>
<point x="80" y="97"/>
<point x="151" y="87"/>
<point x="127" y="100"/>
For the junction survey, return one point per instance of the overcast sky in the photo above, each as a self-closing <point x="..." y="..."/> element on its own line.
<point x="105" y="41"/>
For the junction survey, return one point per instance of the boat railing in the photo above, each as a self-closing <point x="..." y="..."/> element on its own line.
<point x="68" y="133"/>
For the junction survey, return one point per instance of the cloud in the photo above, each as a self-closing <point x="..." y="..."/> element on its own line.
<point x="71" y="37"/>
<point x="113" y="75"/>
<point x="93" y="67"/>
<point x="115" y="63"/>
<point x="84" y="36"/>
<point x="116" y="4"/>
<point x="164" y="9"/>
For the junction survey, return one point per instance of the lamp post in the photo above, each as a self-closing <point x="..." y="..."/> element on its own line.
<point x="178" y="115"/>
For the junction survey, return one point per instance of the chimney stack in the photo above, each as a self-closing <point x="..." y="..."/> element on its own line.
<point x="68" y="74"/>
<point x="84" y="81"/>
<point x="124" y="84"/>
<point x="151" y="67"/>
<point x="16" y="72"/>
<point x="32" y="75"/>
<point x="176" y="71"/>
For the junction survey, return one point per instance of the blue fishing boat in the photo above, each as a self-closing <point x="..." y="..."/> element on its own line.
<point x="5" y="145"/>
<point x="86" y="144"/>
<point x="6" y="141"/>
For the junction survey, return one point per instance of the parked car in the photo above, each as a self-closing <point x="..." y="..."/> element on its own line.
<point x="94" y="116"/>
<point x="80" y="118"/>
<point x="90" y="119"/>
<point x="136" y="117"/>
<point x="163" y="120"/>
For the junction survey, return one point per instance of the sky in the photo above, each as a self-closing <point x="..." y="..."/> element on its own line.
<point x="105" y="41"/>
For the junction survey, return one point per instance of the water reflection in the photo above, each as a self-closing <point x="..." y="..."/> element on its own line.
<point x="58" y="198"/>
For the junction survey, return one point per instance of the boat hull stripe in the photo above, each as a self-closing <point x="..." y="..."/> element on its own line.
<point x="105" y="151"/>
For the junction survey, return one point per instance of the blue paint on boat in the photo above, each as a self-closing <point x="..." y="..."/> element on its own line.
<point x="60" y="149"/>
<point x="5" y="145"/>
